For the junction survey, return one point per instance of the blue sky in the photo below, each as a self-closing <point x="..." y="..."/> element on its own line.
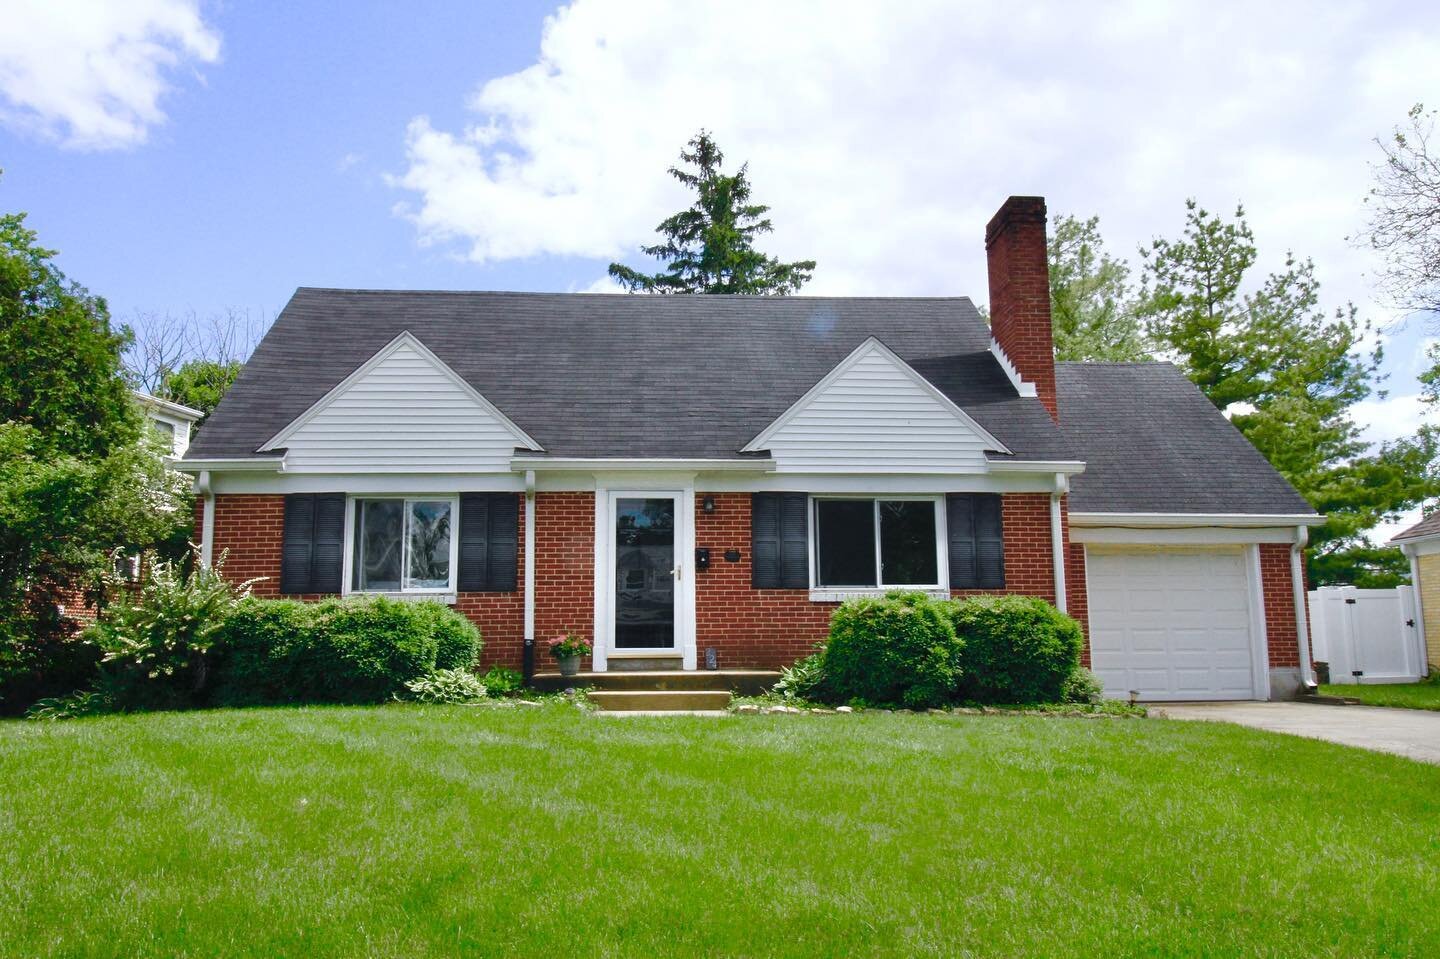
<point x="197" y="155"/>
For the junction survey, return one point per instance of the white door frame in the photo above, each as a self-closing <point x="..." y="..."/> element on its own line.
<point x="605" y="507"/>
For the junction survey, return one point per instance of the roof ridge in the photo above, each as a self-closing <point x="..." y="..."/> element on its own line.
<point x="748" y="297"/>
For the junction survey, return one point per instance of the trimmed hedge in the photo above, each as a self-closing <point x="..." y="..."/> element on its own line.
<point x="338" y="650"/>
<point x="900" y="649"/>
<point x="1018" y="649"/>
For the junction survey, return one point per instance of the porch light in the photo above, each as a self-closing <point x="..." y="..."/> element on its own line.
<point x="708" y="504"/>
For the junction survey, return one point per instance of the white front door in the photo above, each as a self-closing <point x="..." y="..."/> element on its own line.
<point x="1175" y="624"/>
<point x="647" y="609"/>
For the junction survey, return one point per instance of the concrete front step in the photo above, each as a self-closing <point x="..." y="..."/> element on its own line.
<point x="660" y="700"/>
<point x="744" y="682"/>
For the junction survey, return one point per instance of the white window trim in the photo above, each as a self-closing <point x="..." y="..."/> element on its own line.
<point x="831" y="594"/>
<point x="445" y="594"/>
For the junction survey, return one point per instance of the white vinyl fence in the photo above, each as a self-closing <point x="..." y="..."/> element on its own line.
<point x="1367" y="635"/>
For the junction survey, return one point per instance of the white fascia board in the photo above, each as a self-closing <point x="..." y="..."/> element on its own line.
<point x="1191" y="520"/>
<point x="580" y="464"/>
<point x="871" y="345"/>
<point x="268" y="464"/>
<point x="1067" y="467"/>
<point x="1021" y="387"/>
<point x="405" y="338"/>
<point x="178" y="410"/>
<point x="1130" y="536"/>
<point x="1403" y="540"/>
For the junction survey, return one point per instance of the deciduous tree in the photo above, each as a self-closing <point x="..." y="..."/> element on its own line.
<point x="1091" y="302"/>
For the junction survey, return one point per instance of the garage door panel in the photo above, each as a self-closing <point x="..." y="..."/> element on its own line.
<point x="1171" y="623"/>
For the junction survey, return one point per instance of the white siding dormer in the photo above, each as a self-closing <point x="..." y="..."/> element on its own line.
<point x="402" y="410"/>
<point x="874" y="414"/>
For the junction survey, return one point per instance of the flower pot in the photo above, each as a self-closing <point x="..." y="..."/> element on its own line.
<point x="569" y="665"/>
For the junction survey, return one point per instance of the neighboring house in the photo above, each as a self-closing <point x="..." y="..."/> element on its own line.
<point x="672" y="474"/>
<point x="1421" y="543"/>
<point x="171" y="421"/>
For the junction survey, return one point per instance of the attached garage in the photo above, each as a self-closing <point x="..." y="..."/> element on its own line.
<point x="1177" y="623"/>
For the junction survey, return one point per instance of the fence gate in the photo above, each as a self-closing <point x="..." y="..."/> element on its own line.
<point x="1367" y="635"/>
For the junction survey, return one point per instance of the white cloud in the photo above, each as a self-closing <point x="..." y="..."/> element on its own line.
<point x="883" y="135"/>
<point x="91" y="73"/>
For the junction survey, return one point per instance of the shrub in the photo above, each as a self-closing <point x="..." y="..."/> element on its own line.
<point x="901" y="649"/>
<point x="446" y="686"/>
<point x="364" y="650"/>
<point x="500" y="681"/>
<point x="803" y="680"/>
<point x="1018" y="649"/>
<point x="457" y="640"/>
<point x="50" y="664"/>
<point x="259" y="654"/>
<point x="1083" y="686"/>
<point x="154" y="647"/>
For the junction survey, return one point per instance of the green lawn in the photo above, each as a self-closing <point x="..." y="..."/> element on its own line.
<point x="407" y="830"/>
<point x="1405" y="695"/>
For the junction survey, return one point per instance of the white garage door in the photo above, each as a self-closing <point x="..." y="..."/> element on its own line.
<point x="1171" y="623"/>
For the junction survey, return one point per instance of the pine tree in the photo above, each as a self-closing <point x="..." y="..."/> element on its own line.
<point x="709" y="247"/>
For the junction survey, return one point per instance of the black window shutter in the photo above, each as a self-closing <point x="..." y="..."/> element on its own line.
<point x="977" y="543"/>
<point x="960" y="520"/>
<point x="327" y="564"/>
<point x="489" y="542"/>
<point x="989" y="541"/>
<point x="298" y="544"/>
<point x="765" y="540"/>
<point x="794" y="541"/>
<point x="779" y="541"/>
<point x="312" y="552"/>
<point x="504" y="542"/>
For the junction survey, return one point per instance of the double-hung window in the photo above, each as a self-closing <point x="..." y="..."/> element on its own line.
<point x="403" y="545"/>
<point x="875" y="542"/>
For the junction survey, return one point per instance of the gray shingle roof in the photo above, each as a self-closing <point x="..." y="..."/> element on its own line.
<point x="1153" y="443"/>
<point x="1428" y="526"/>
<point x="624" y="376"/>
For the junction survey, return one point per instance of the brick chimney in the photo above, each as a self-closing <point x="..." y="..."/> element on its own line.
<point x="1020" y="293"/>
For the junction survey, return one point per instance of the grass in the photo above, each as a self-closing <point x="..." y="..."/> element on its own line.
<point x="1424" y="695"/>
<point x="406" y="830"/>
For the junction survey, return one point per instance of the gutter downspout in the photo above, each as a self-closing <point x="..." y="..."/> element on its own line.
<point x="1302" y="618"/>
<point x="529" y="649"/>
<point x="207" y="519"/>
<point x="1057" y="539"/>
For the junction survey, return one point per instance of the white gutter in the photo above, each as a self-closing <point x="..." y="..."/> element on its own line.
<point x="752" y="465"/>
<point x="1183" y="520"/>
<point x="1067" y="467"/>
<point x="1057" y="540"/>
<point x="530" y="558"/>
<point x="1302" y="618"/>
<point x="207" y="521"/>
<point x="177" y="410"/>
<point x="268" y="464"/>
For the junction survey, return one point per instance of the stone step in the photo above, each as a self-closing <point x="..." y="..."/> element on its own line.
<point x="744" y="682"/>
<point x="660" y="700"/>
<point x="646" y="664"/>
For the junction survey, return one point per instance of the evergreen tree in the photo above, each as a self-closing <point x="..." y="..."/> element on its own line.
<point x="1091" y="303"/>
<point x="1288" y="374"/>
<point x="709" y="247"/>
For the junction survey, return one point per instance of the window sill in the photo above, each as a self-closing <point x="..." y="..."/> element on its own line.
<point x="447" y="598"/>
<point x="840" y="595"/>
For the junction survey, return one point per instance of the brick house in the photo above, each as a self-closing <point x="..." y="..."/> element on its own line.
<point x="682" y="478"/>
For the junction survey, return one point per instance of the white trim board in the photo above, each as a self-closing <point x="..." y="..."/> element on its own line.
<point x="404" y="339"/>
<point x="870" y="348"/>
<point x="1182" y="520"/>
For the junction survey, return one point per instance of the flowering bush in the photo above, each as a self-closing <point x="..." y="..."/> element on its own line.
<point x="571" y="644"/>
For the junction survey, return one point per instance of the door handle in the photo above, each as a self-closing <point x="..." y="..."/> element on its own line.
<point x="675" y="573"/>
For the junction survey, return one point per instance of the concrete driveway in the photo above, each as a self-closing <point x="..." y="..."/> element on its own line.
<point x="1413" y="733"/>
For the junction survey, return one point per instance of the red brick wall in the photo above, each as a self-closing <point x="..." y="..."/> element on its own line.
<point x="749" y="627"/>
<point x="1020" y="292"/>
<point x="772" y="627"/>
<point x="564" y="569"/>
<point x="251" y="527"/>
<point x="1278" y="591"/>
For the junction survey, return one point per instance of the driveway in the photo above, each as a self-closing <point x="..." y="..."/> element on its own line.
<point x="1414" y="733"/>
